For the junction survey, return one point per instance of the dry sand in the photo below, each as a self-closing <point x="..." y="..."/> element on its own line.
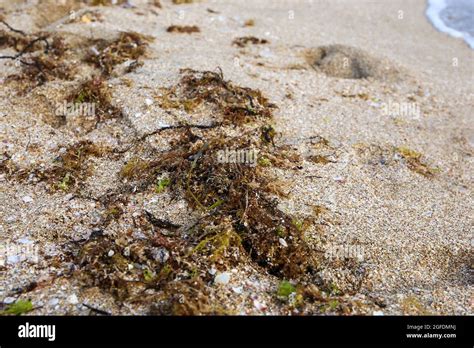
<point x="412" y="234"/>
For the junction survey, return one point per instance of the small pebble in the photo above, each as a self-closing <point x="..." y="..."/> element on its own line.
<point x="222" y="278"/>
<point x="111" y="253"/>
<point x="160" y="254"/>
<point x="53" y="302"/>
<point x="238" y="289"/>
<point x="283" y="242"/>
<point x="27" y="199"/>
<point x="9" y="300"/>
<point x="12" y="259"/>
<point x="25" y="241"/>
<point x="10" y="219"/>
<point x="339" y="178"/>
<point x="73" y="299"/>
<point x="259" y="306"/>
<point x="148" y="101"/>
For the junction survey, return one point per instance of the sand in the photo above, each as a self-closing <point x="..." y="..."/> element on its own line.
<point x="408" y="236"/>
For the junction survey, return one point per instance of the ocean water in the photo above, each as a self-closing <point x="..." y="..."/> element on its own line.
<point x="454" y="17"/>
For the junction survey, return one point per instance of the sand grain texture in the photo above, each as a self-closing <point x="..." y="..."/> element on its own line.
<point x="396" y="187"/>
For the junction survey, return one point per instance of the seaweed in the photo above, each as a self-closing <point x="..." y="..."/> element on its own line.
<point x="179" y="2"/>
<point x="241" y="193"/>
<point x="415" y="163"/>
<point x="123" y="266"/>
<point x="186" y="29"/>
<point x="236" y="207"/>
<point x="246" y="40"/>
<point x="386" y="155"/>
<point x="285" y="289"/>
<point x="71" y="169"/>
<point x="236" y="104"/>
<point x="412" y="305"/>
<point x="249" y="23"/>
<point x="162" y="185"/>
<point x="133" y="168"/>
<point x="96" y="92"/>
<point x="105" y="54"/>
<point x="36" y="67"/>
<point x="18" y="308"/>
<point x="48" y="66"/>
<point x="107" y="2"/>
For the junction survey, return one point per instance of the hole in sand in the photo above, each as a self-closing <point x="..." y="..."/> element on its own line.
<point x="349" y="63"/>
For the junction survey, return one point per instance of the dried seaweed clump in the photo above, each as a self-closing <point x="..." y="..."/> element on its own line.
<point x="240" y="220"/>
<point x="41" y="60"/>
<point x="120" y="266"/>
<point x="240" y="198"/>
<point x="105" y="54"/>
<point x="183" y="29"/>
<point x="50" y="64"/>
<point x="106" y="2"/>
<point x="71" y="168"/>
<point x="235" y="204"/>
<point x="68" y="171"/>
<point x="246" y="40"/>
<point x="96" y="92"/>
<point x="232" y="103"/>
<point x="19" y="42"/>
<point x="415" y="163"/>
<point x="238" y="193"/>
<point x="389" y="155"/>
<point x="179" y="2"/>
<point x="125" y="266"/>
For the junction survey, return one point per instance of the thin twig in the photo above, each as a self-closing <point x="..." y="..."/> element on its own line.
<point x="24" y="50"/>
<point x="96" y="310"/>
<point x="13" y="29"/>
<point x="198" y="126"/>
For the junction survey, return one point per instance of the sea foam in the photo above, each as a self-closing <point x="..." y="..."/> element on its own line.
<point x="454" y="17"/>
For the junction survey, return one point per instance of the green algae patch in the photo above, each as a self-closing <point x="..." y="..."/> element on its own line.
<point x="18" y="308"/>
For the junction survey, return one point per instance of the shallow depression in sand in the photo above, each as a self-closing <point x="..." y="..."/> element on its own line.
<point x="350" y="63"/>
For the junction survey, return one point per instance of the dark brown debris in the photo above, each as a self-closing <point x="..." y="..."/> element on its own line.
<point x="183" y="29"/>
<point x="246" y="40"/>
<point x="105" y="55"/>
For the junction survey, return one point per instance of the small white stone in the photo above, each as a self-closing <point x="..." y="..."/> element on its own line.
<point x="283" y="242"/>
<point x="338" y="178"/>
<point x="212" y="271"/>
<point x="148" y="101"/>
<point x="162" y="255"/>
<point x="111" y="253"/>
<point x="27" y="199"/>
<point x="25" y="241"/>
<point x="9" y="300"/>
<point x="73" y="299"/>
<point x="53" y="302"/>
<point x="12" y="259"/>
<point x="237" y="289"/>
<point x="379" y="313"/>
<point x="10" y="219"/>
<point x="259" y="306"/>
<point x="222" y="278"/>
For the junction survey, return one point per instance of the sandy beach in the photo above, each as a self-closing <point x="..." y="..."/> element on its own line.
<point x="360" y="201"/>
